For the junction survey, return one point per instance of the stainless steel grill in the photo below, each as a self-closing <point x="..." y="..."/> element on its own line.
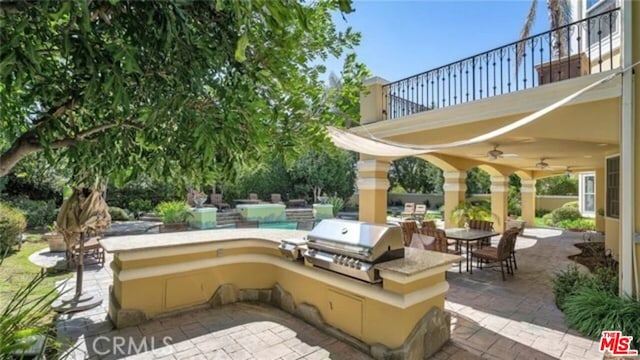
<point x="353" y="248"/>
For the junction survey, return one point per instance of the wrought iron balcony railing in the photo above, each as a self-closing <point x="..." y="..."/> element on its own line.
<point x="582" y="47"/>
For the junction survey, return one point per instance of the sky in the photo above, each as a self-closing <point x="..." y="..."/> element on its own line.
<point x="404" y="38"/>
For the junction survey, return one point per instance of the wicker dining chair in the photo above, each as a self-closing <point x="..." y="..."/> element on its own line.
<point x="482" y="225"/>
<point x="441" y="243"/>
<point x="500" y="253"/>
<point x="409" y="228"/>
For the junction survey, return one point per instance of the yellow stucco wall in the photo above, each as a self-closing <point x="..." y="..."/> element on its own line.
<point x="612" y="236"/>
<point x="179" y="290"/>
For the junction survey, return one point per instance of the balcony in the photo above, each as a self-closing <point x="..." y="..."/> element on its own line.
<point x="588" y="46"/>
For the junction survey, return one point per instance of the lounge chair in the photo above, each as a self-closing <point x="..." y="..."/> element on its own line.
<point x="276" y="199"/>
<point x="253" y="196"/>
<point x="216" y="200"/>
<point x="409" y="210"/>
<point x="420" y="211"/>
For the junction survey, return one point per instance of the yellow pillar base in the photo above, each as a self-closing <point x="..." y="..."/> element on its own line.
<point x="528" y="201"/>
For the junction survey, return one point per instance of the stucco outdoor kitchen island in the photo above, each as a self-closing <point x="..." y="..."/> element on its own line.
<point x="401" y="317"/>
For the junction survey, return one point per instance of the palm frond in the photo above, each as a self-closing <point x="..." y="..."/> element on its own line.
<point x="526" y="31"/>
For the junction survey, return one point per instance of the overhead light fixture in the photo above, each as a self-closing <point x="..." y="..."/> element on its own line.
<point x="542" y="165"/>
<point x="495" y="153"/>
<point x="568" y="172"/>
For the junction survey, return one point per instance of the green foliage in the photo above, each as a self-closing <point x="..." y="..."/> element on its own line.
<point x="337" y="203"/>
<point x="571" y="204"/>
<point x="465" y="211"/>
<point x="118" y="214"/>
<point x="513" y="201"/>
<point x="145" y="189"/>
<point x="478" y="181"/>
<point x="591" y="311"/>
<point x="557" y="185"/>
<point x="562" y="214"/>
<point x="244" y="78"/>
<point x="578" y="224"/>
<point x="38" y="212"/>
<point x="24" y="317"/>
<point x="566" y="283"/>
<point x="542" y="212"/>
<point x="173" y="212"/>
<point x="139" y="206"/>
<point x="318" y="172"/>
<point x="415" y="175"/>
<point x="36" y="179"/>
<point x="12" y="224"/>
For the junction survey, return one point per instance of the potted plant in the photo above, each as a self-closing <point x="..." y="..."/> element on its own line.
<point x="174" y="215"/>
<point x="55" y="239"/>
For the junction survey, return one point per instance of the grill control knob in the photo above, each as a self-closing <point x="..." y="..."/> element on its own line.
<point x="352" y="263"/>
<point x="312" y="252"/>
<point x="335" y="258"/>
<point x="357" y="264"/>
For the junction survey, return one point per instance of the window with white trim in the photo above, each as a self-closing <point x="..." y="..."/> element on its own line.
<point x="613" y="187"/>
<point x="587" y="194"/>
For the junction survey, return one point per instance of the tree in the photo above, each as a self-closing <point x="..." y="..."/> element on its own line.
<point x="559" y="12"/>
<point x="478" y="181"/>
<point x="180" y="89"/>
<point x="331" y="172"/>
<point x="557" y="185"/>
<point x="415" y="175"/>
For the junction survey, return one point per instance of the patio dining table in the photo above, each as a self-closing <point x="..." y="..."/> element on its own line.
<point x="461" y="234"/>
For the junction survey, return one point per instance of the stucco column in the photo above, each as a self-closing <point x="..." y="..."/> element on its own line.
<point x="372" y="190"/>
<point x="372" y="101"/>
<point x="527" y="201"/>
<point x="454" y="189"/>
<point x="499" y="201"/>
<point x="600" y="202"/>
<point x="634" y="23"/>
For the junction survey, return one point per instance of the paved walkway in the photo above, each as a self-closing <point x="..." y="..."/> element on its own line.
<point x="518" y="318"/>
<point x="492" y="319"/>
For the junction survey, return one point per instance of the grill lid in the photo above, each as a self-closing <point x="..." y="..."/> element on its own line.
<point x="357" y="239"/>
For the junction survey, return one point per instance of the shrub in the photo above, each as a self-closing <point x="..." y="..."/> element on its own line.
<point x="566" y="283"/>
<point x="591" y="311"/>
<point x="24" y="317"/>
<point x="138" y="206"/>
<point x="571" y="204"/>
<point x="561" y="214"/>
<point x="468" y="211"/>
<point x="604" y="279"/>
<point x="37" y="212"/>
<point x="12" y="224"/>
<point x="578" y="224"/>
<point x="542" y="212"/>
<point x="338" y="204"/>
<point x="118" y="214"/>
<point x="173" y="212"/>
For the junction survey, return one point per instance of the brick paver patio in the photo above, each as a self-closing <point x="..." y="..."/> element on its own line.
<point x="492" y="319"/>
